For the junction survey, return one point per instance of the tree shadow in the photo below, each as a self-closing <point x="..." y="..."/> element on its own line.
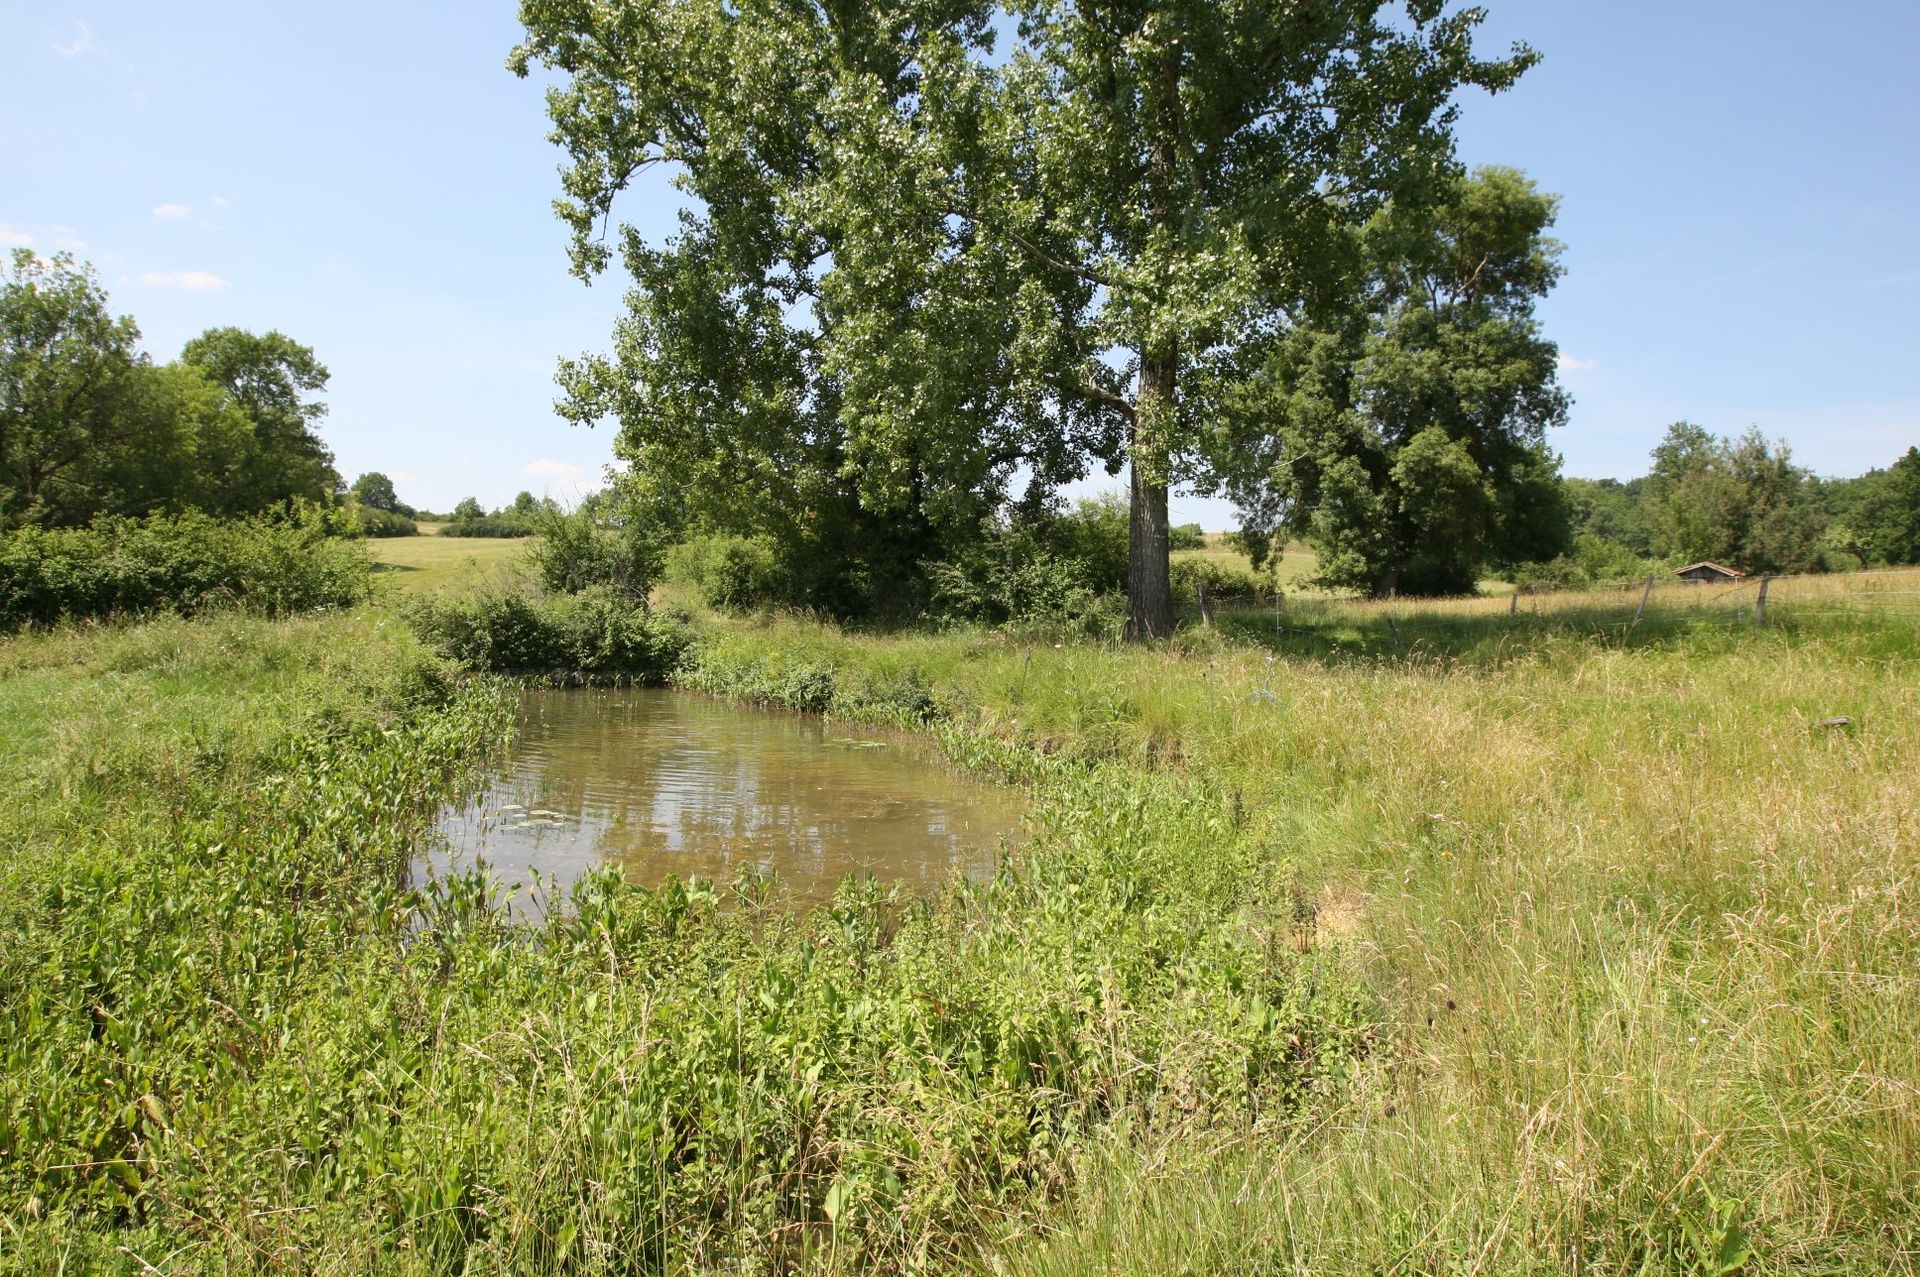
<point x="1409" y="633"/>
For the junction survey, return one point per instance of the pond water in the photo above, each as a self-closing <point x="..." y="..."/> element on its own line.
<point x="669" y="783"/>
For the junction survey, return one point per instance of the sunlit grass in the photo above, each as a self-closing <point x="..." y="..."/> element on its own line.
<point x="1641" y="914"/>
<point x="1519" y="943"/>
<point x="427" y="564"/>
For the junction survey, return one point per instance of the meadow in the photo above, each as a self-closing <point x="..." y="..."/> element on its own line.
<point x="429" y="563"/>
<point x="1386" y="938"/>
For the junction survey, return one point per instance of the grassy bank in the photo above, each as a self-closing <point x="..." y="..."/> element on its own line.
<point x="239" y="1039"/>
<point x="1641" y="915"/>
<point x="1556" y="949"/>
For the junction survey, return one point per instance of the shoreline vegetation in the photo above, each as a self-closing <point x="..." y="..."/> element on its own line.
<point x="1507" y="954"/>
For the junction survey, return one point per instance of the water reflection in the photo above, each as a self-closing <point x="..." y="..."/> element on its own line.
<point x="670" y="783"/>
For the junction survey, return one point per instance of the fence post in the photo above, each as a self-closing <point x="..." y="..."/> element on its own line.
<point x="1645" y="594"/>
<point x="1395" y="631"/>
<point x="1206" y="605"/>
<point x="1513" y="607"/>
<point x="1760" y="604"/>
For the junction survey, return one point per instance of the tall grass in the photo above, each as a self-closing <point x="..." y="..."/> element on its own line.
<point x="1545" y="950"/>
<point x="238" y="1038"/>
<point x="1642" y="917"/>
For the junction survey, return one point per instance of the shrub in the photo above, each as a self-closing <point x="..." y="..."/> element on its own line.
<point x="504" y="524"/>
<point x="1222" y="582"/>
<point x="1014" y="582"/>
<point x="1095" y="532"/>
<point x="179" y="563"/>
<point x="596" y="632"/>
<point x="1186" y="536"/>
<point x="574" y="552"/>
<point x="370" y="521"/>
<point x="729" y="573"/>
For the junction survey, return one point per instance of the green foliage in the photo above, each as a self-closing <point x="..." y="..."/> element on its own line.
<point x="1186" y="536"/>
<point x="1595" y="561"/>
<point x="1016" y="580"/>
<point x="90" y="426"/>
<point x="1094" y="532"/>
<point x="375" y="491"/>
<point x="372" y="521"/>
<point x="935" y="250"/>
<point x="272" y="380"/>
<point x="526" y="516"/>
<point x="470" y="521"/>
<point x="1609" y="510"/>
<point x="67" y="373"/>
<point x="182" y="563"/>
<point x="1883" y="512"/>
<point x="597" y="632"/>
<point x="1740" y="501"/>
<point x="1223" y="582"/>
<point x="1404" y="435"/>
<point x="581" y="548"/>
<point x="730" y="573"/>
<point x="1057" y="572"/>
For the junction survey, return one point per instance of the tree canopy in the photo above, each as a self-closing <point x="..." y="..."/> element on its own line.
<point x="1402" y="429"/>
<point x="90" y="425"/>
<point x="67" y="387"/>
<point x="1741" y="501"/>
<point x="939" y="247"/>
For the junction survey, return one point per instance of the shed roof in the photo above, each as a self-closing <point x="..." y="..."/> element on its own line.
<point x="1722" y="569"/>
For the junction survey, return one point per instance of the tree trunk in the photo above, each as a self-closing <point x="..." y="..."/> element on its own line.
<point x="1150" y="450"/>
<point x="1149" y="587"/>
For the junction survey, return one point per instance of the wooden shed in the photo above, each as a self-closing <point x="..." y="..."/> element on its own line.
<point x="1704" y="573"/>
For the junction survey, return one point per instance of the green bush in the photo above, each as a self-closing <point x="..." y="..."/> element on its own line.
<point x="176" y="563"/>
<point x="370" y="521"/>
<point x="1095" y="532"/>
<point x="1595" y="561"/>
<point x="1015" y="583"/>
<point x="1186" y="536"/>
<point x="504" y="524"/>
<point x="596" y="632"/>
<point x="729" y="573"/>
<point x="1222" y="582"/>
<point x="574" y="551"/>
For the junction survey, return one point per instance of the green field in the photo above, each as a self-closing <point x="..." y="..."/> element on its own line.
<point x="1296" y="564"/>
<point x="429" y="563"/>
<point x="1531" y="942"/>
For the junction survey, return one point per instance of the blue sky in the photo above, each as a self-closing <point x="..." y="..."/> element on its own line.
<point x="1741" y="213"/>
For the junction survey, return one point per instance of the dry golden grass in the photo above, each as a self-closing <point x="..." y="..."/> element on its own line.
<point x="1642" y="918"/>
<point x="1647" y="935"/>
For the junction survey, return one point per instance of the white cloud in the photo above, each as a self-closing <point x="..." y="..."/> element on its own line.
<point x="82" y="42"/>
<point x="547" y="468"/>
<point x="403" y="476"/>
<point x="187" y="281"/>
<point x="171" y="212"/>
<point x="54" y="239"/>
<point x="219" y="201"/>
<point x="1573" y="363"/>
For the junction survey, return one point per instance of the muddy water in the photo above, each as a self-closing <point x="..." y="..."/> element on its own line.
<point x="664" y="783"/>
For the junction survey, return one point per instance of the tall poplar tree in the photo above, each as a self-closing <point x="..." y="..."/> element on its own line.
<point x="938" y="245"/>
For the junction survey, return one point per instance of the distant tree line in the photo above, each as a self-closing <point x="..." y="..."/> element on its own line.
<point x="1739" y="501"/>
<point x="526" y="516"/>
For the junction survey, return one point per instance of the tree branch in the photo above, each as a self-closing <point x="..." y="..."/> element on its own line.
<point x="1077" y="269"/>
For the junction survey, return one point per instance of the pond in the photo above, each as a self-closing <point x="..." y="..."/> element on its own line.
<point x="670" y="783"/>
